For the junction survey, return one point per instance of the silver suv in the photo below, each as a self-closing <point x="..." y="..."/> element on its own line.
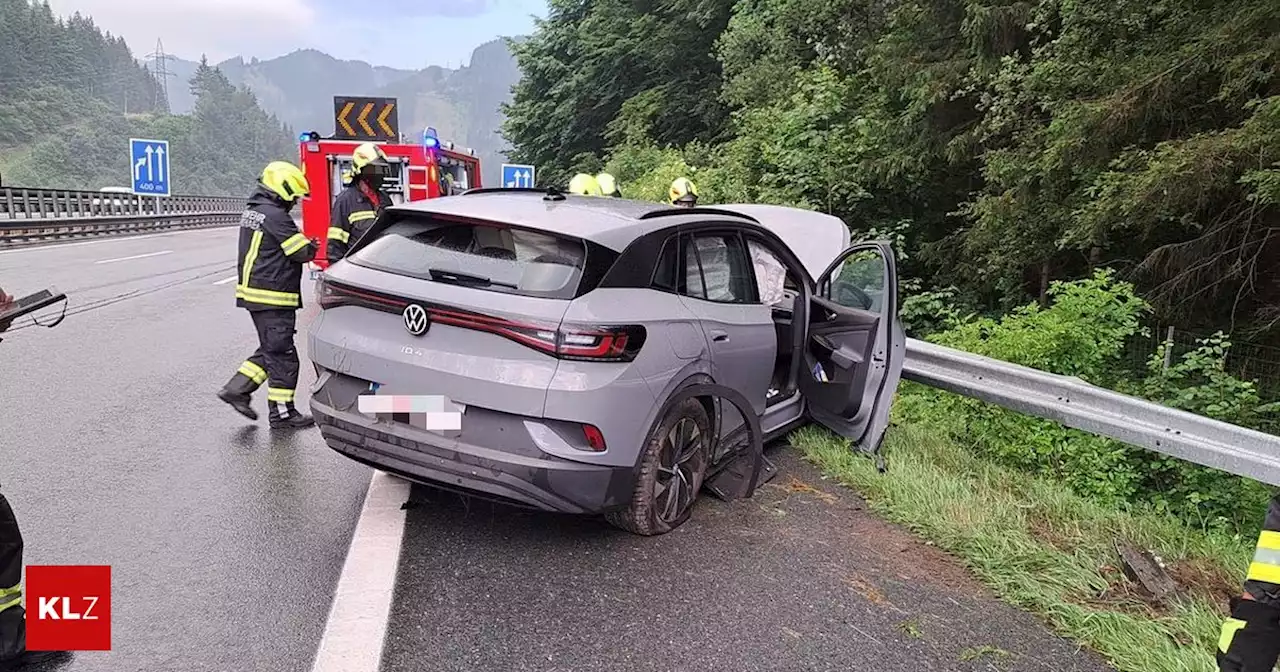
<point x="553" y="330"/>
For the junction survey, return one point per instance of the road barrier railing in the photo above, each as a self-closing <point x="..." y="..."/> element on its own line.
<point x="1075" y="403"/>
<point x="32" y="215"/>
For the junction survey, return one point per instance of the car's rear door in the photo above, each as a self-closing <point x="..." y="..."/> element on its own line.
<point x="855" y="345"/>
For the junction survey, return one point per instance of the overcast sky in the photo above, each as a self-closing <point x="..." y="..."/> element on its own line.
<point x="398" y="33"/>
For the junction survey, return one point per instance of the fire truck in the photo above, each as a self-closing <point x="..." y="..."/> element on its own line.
<point x="427" y="168"/>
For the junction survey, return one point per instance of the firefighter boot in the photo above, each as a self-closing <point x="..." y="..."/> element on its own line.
<point x="13" y="647"/>
<point x="237" y="393"/>
<point x="285" y="416"/>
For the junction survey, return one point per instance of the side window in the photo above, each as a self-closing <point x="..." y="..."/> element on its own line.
<point x="719" y="269"/>
<point x="666" y="275"/>
<point x="858" y="282"/>
<point x="771" y="274"/>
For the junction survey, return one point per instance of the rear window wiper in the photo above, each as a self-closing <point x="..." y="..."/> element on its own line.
<point x="459" y="278"/>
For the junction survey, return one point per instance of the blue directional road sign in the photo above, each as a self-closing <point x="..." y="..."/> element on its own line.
<point x="516" y="175"/>
<point x="149" y="161"/>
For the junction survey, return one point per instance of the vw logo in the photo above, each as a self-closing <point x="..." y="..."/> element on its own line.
<point x="415" y="319"/>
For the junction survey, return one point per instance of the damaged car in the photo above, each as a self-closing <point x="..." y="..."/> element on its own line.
<point x="565" y="337"/>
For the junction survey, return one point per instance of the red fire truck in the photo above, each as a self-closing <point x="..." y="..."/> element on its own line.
<point x="429" y="168"/>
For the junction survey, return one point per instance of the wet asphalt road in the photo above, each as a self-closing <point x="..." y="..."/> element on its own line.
<point x="798" y="578"/>
<point x="226" y="543"/>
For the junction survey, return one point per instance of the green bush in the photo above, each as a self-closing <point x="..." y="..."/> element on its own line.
<point x="1082" y="333"/>
<point x="1199" y="383"/>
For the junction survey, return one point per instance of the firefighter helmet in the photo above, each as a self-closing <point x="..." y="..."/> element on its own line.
<point x="368" y="154"/>
<point x="608" y="185"/>
<point x="584" y="185"/>
<point x="285" y="180"/>
<point x="683" y="192"/>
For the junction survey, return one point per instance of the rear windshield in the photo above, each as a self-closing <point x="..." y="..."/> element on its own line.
<point x="495" y="258"/>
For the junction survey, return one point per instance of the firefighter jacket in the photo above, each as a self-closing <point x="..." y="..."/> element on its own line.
<point x="1250" y="637"/>
<point x="272" y="255"/>
<point x="354" y="211"/>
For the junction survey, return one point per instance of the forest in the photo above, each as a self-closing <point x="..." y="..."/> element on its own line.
<point x="1008" y="144"/>
<point x="71" y="96"/>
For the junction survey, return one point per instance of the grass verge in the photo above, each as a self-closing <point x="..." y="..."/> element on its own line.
<point x="1043" y="548"/>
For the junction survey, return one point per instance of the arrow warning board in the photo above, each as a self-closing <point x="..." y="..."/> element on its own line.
<point x="366" y="119"/>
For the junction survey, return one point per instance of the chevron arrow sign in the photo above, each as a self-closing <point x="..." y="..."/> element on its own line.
<point x="365" y="119"/>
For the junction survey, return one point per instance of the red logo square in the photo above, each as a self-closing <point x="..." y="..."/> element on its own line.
<point x="68" y="607"/>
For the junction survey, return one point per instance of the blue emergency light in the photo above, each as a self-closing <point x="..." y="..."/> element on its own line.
<point x="309" y="136"/>
<point x="429" y="139"/>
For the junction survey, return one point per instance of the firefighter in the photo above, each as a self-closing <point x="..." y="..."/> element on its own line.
<point x="13" y="621"/>
<point x="583" y="184"/>
<point x="683" y="193"/>
<point x="272" y="254"/>
<point x="360" y="202"/>
<point x="1250" y="639"/>
<point x="608" y="185"/>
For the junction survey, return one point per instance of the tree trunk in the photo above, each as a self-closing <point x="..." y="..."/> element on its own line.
<point x="1044" y="285"/>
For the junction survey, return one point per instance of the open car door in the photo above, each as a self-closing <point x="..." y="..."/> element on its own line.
<point x="855" y="345"/>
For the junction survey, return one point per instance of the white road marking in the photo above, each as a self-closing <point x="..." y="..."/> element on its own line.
<point x="226" y="280"/>
<point x="118" y="239"/>
<point x="136" y="256"/>
<point x="357" y="627"/>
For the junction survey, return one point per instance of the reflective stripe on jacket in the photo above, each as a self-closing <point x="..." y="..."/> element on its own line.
<point x="272" y="254"/>
<point x="352" y="214"/>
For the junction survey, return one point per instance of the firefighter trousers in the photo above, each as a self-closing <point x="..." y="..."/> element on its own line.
<point x="276" y="360"/>
<point x="1250" y="639"/>
<point x="12" y="617"/>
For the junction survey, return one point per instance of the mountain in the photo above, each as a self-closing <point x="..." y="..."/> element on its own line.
<point x="76" y="95"/>
<point x="463" y="104"/>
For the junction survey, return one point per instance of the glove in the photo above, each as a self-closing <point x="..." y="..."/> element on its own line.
<point x="1250" y="639"/>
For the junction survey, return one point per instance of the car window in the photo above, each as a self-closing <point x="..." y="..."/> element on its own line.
<point x="502" y="258"/>
<point x="771" y="274"/>
<point x="858" y="281"/>
<point x="666" y="275"/>
<point x="718" y="269"/>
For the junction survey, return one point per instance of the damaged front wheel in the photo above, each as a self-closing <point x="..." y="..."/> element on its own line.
<point x="671" y="472"/>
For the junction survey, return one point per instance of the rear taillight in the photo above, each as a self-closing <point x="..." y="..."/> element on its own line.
<point x="574" y="342"/>
<point x="594" y="343"/>
<point x="332" y="295"/>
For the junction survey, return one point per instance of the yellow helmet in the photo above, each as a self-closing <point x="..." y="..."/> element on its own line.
<point x="285" y="180"/>
<point x="683" y="192"/>
<point x="608" y="185"/>
<point x="584" y="185"/>
<point x="367" y="154"/>
<point x="346" y="176"/>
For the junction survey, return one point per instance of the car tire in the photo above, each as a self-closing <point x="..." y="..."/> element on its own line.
<point x="682" y="438"/>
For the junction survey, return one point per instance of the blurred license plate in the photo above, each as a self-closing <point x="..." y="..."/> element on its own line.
<point x="431" y="412"/>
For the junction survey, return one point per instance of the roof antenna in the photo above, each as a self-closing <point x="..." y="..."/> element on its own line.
<point x="553" y="194"/>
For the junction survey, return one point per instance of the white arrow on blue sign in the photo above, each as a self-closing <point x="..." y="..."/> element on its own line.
<point x="149" y="163"/>
<point x="517" y="175"/>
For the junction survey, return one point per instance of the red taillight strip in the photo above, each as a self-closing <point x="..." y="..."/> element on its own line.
<point x="611" y="343"/>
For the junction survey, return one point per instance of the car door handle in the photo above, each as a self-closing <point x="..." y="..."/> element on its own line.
<point x="719" y="336"/>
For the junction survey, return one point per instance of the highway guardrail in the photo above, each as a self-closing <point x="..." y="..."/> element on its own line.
<point x="1075" y="403"/>
<point x="34" y="215"/>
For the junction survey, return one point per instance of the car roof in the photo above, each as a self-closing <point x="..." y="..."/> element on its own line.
<point x="611" y="222"/>
<point x="814" y="237"/>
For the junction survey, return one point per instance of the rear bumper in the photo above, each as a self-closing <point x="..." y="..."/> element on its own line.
<point x="547" y="483"/>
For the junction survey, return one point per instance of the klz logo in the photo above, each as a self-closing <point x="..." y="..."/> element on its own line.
<point x="68" y="607"/>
